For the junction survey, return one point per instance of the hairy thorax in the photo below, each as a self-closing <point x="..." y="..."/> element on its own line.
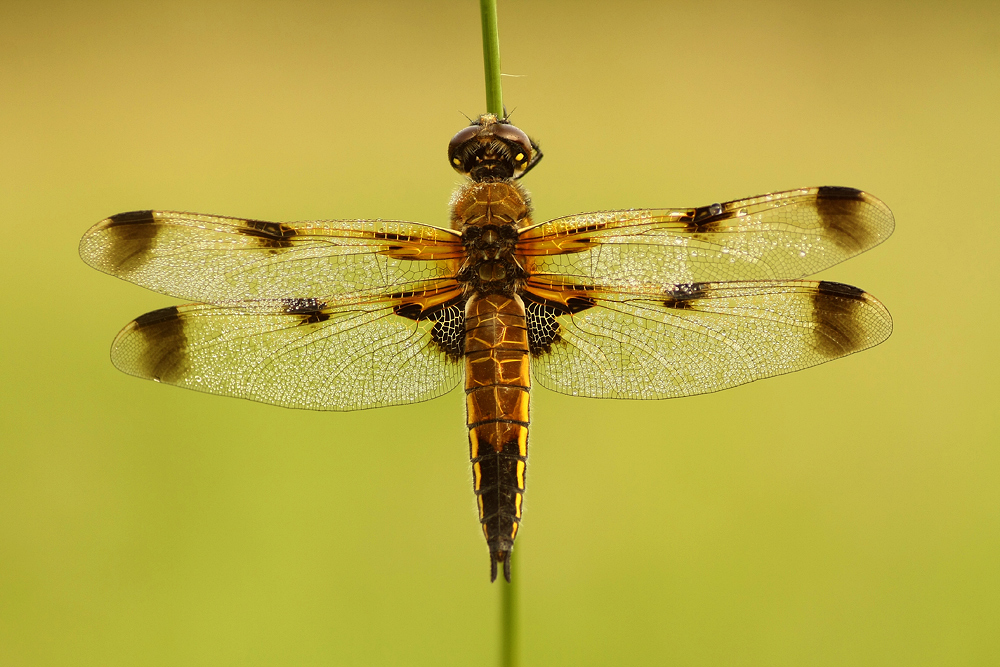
<point x="489" y="215"/>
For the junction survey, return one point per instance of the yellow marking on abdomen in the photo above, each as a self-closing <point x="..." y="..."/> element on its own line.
<point x="520" y="475"/>
<point x="473" y="444"/>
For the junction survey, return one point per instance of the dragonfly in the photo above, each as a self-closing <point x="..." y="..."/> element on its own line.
<point x="626" y="304"/>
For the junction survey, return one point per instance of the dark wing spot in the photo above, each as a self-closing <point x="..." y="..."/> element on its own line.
<point x="842" y="212"/>
<point x="410" y="311"/>
<point x="160" y="351"/>
<point x="156" y="317"/>
<point x="706" y="219"/>
<point x="684" y="295"/>
<point x="131" y="218"/>
<point x="835" y="191"/>
<point x="130" y="237"/>
<point x="448" y="332"/>
<point x="272" y="235"/>
<point x="578" y="304"/>
<point x="310" y="311"/>
<point x="831" y="287"/>
<point x="838" y="312"/>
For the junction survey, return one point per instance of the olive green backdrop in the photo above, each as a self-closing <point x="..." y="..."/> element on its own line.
<point x="846" y="515"/>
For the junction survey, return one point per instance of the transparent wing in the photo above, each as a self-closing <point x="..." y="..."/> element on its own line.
<point x="778" y="236"/>
<point x="298" y="353"/>
<point x="218" y="259"/>
<point x="696" y="338"/>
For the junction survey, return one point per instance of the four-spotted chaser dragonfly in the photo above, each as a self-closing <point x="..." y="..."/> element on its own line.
<point x="354" y="314"/>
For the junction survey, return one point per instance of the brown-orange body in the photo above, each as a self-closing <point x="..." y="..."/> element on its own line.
<point x="497" y="357"/>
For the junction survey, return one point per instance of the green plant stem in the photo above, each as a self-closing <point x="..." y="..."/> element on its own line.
<point x="508" y="620"/>
<point x="494" y="105"/>
<point x="491" y="57"/>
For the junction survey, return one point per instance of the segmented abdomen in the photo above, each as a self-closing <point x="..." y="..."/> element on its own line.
<point x="496" y="387"/>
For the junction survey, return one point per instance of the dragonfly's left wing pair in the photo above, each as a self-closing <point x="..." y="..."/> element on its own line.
<point x="326" y="315"/>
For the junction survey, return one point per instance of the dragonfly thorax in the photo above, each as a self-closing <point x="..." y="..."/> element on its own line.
<point x="490" y="264"/>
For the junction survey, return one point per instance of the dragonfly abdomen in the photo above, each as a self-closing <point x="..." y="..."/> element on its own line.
<point x="497" y="388"/>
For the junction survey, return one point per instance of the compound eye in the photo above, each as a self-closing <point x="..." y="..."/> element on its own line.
<point x="457" y="141"/>
<point x="519" y="142"/>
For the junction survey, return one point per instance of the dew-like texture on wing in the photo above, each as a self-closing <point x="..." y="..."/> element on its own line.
<point x="699" y="337"/>
<point x="217" y="259"/>
<point x="779" y="236"/>
<point x="297" y="353"/>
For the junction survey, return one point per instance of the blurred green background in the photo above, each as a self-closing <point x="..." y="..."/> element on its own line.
<point x="846" y="515"/>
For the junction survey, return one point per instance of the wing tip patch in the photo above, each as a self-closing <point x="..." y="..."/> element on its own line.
<point x="156" y="317"/>
<point x="844" y="318"/>
<point x="838" y="192"/>
<point x="120" y="245"/>
<point x="845" y="213"/>
<point x="131" y="218"/>
<point x="153" y="346"/>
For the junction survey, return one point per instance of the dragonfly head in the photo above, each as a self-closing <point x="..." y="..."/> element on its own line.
<point x="492" y="149"/>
